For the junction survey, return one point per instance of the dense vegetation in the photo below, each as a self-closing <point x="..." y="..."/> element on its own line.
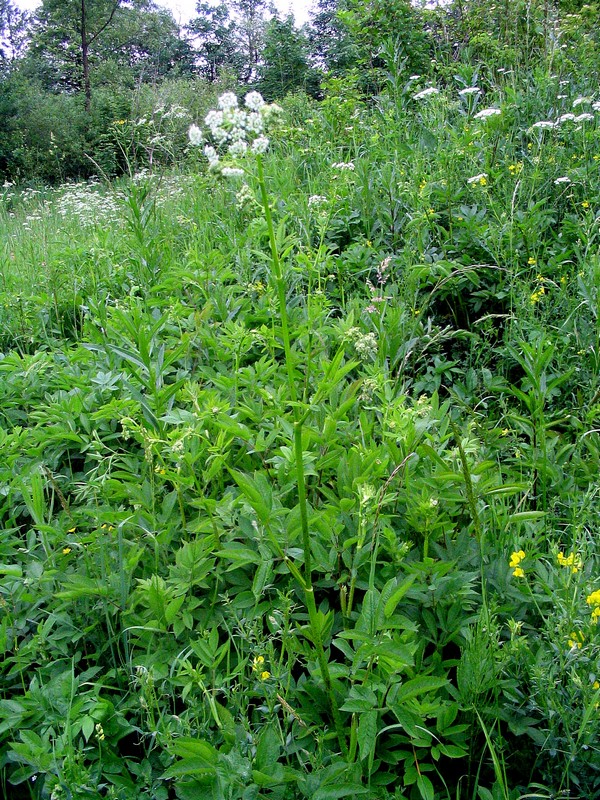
<point x="299" y="421"/>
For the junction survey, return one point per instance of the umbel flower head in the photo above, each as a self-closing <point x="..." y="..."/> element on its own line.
<point x="236" y="131"/>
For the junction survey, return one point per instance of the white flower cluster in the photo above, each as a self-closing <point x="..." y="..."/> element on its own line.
<point x="237" y="130"/>
<point x="87" y="205"/>
<point x="316" y="200"/>
<point x="344" y="166"/>
<point x="429" y="92"/>
<point x="568" y="117"/>
<point x="469" y="91"/>
<point x="485" y="113"/>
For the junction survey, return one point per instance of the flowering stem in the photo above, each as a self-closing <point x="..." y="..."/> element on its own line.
<point x="305" y="580"/>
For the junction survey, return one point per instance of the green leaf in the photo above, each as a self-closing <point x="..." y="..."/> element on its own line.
<point x="14" y="570"/>
<point x="189" y="766"/>
<point x="398" y="594"/>
<point x="367" y="733"/>
<point x="524" y="516"/>
<point x="360" y="698"/>
<point x="341" y="790"/>
<point x="417" y="686"/>
<point x="425" y="787"/>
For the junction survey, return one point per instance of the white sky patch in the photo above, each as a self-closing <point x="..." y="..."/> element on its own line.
<point x="184" y="10"/>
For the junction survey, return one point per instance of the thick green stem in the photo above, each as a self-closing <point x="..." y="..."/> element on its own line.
<point x="280" y="285"/>
<point x="304" y="581"/>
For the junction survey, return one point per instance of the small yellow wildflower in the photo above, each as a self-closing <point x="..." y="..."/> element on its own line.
<point x="576" y="639"/>
<point x="573" y="561"/>
<point x="563" y="280"/>
<point x="585" y="204"/>
<point x="531" y="261"/>
<point x="422" y="185"/>
<point x="514" y="563"/>
<point x="504" y="431"/>
<point x="264" y="676"/>
<point x="593" y="599"/>
<point x="66" y="551"/>
<point x="71" y="530"/>
<point x="596" y="685"/>
<point x="596" y="614"/>
<point x="537" y="295"/>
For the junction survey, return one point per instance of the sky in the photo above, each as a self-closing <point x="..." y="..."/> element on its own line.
<point x="183" y="10"/>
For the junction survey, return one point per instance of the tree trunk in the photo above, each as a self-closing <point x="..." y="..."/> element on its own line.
<point x="85" y="64"/>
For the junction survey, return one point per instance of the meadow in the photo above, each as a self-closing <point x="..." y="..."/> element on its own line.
<point x="300" y="455"/>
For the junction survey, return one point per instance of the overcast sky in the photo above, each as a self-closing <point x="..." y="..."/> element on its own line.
<point x="183" y="10"/>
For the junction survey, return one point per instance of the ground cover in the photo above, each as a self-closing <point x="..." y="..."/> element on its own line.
<point x="299" y="466"/>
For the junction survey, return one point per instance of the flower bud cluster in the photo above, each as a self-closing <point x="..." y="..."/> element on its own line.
<point x="235" y="130"/>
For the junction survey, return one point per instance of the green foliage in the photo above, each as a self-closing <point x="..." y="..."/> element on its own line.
<point x="285" y="67"/>
<point x="298" y="468"/>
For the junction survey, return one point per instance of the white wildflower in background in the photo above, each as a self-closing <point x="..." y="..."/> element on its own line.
<point x="563" y="179"/>
<point x="584" y="118"/>
<point x="565" y="118"/>
<point x="344" y="166"/>
<point x="254" y="101"/>
<point x="316" y="200"/>
<point x="469" y="91"/>
<point x="212" y="156"/>
<point x="580" y="100"/>
<point x="195" y="135"/>
<point x="245" y="196"/>
<point x="227" y="101"/>
<point x="237" y="148"/>
<point x="485" y="113"/>
<point x="260" y="145"/>
<point x="232" y="172"/>
<point x="543" y="125"/>
<point x="414" y="77"/>
<point x="429" y="92"/>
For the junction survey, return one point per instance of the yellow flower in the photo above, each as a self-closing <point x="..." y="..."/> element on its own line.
<point x="563" y="280"/>
<point x="264" y="676"/>
<point x="514" y="562"/>
<point x="258" y="663"/>
<point x="66" y="551"/>
<point x="573" y="561"/>
<point x="593" y="599"/>
<point x="596" y="614"/>
<point x="585" y="204"/>
<point x="531" y="261"/>
<point x="576" y="639"/>
<point x="71" y="530"/>
<point x="596" y="685"/>
<point x="537" y="295"/>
